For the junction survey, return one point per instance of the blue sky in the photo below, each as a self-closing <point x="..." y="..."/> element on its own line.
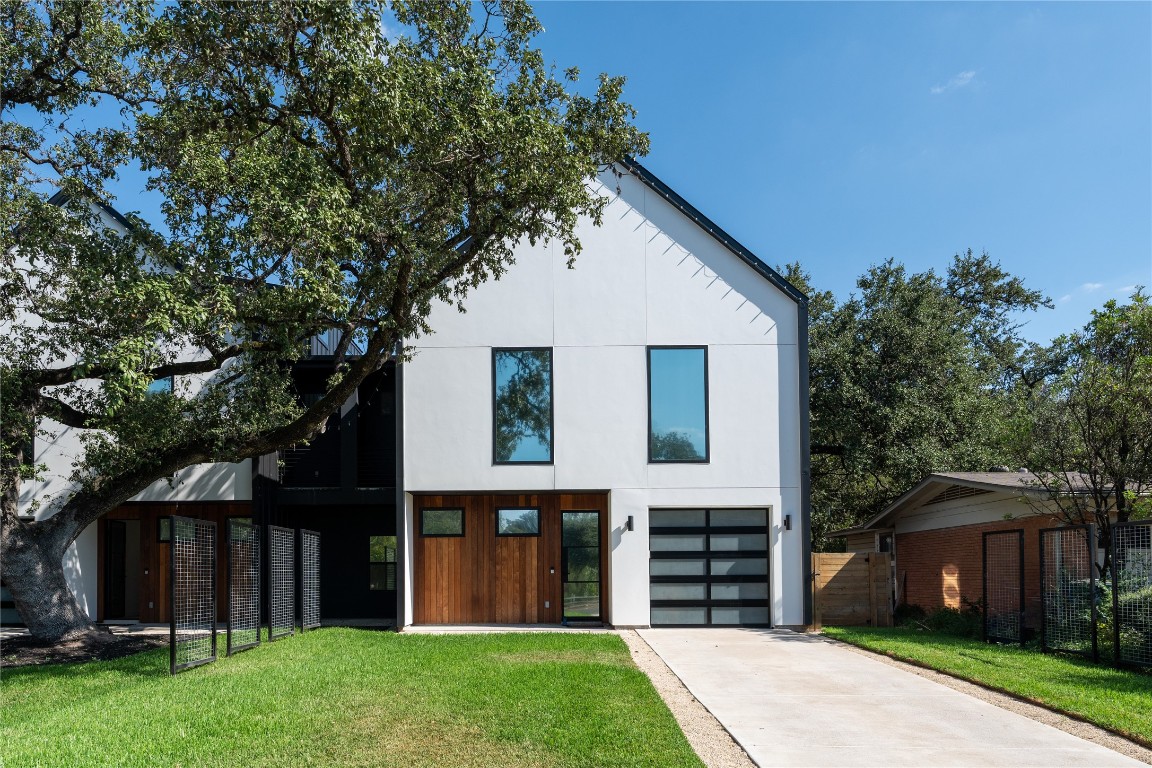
<point x="842" y="134"/>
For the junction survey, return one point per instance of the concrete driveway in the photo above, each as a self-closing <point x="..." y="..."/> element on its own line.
<point x="796" y="700"/>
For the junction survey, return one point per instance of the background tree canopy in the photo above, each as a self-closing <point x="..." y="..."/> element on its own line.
<point x="907" y="377"/>
<point x="1084" y="423"/>
<point x="318" y="174"/>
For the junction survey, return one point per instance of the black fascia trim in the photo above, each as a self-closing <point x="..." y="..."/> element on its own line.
<point x="709" y="226"/>
<point x="707" y="421"/>
<point x="536" y="509"/>
<point x="402" y="535"/>
<point x="61" y="199"/>
<point x="463" y="523"/>
<point x="804" y="530"/>
<point x="551" y="407"/>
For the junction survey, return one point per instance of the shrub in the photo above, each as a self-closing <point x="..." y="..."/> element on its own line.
<point x="943" y="621"/>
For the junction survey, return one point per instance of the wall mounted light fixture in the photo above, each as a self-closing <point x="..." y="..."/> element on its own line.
<point x="787" y="522"/>
<point x="628" y="525"/>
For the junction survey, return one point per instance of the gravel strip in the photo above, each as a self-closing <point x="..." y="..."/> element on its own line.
<point x="712" y="742"/>
<point x="1086" y="731"/>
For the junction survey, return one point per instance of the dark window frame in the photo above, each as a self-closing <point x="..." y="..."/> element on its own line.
<point x="463" y="522"/>
<point x="551" y="406"/>
<point x="522" y="507"/>
<point x="160" y="521"/>
<point x="708" y="578"/>
<point x="707" y="420"/>
<point x="170" y="389"/>
<point x="384" y="563"/>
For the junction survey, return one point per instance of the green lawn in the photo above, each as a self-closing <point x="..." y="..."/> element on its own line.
<point x="1117" y="699"/>
<point x="350" y="698"/>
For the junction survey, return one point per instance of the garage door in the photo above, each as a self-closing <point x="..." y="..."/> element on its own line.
<point x="709" y="567"/>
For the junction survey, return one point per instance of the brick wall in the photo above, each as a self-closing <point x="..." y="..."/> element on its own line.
<point x="944" y="567"/>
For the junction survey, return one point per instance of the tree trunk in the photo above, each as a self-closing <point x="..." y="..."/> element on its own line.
<point x="33" y="571"/>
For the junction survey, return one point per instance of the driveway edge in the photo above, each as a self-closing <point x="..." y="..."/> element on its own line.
<point x="713" y="743"/>
<point x="1041" y="714"/>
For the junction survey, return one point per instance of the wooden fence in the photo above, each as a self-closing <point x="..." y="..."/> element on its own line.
<point x="852" y="589"/>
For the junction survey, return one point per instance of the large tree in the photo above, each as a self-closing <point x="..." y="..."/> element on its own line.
<point x="1085" y="430"/>
<point x="328" y="166"/>
<point x="908" y="376"/>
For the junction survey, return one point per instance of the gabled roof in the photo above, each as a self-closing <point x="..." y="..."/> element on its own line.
<point x="663" y="190"/>
<point x="62" y="197"/>
<point x="1022" y="482"/>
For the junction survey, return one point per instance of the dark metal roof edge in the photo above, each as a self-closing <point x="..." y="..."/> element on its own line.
<point x="659" y="187"/>
<point x="804" y="398"/>
<point x="62" y="197"/>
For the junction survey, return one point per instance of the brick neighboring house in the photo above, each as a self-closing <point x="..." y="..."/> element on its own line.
<point x="935" y="534"/>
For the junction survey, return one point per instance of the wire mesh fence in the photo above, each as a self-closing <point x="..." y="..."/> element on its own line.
<point x="1004" y="586"/>
<point x="192" y="633"/>
<point x="243" y="585"/>
<point x="1132" y="593"/>
<point x="1068" y="595"/>
<point x="281" y="582"/>
<point x="309" y="579"/>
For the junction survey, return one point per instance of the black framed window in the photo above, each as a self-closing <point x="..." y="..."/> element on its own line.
<point x="164" y="530"/>
<point x="518" y="521"/>
<point x="522" y="406"/>
<point x="382" y="563"/>
<point x="677" y="404"/>
<point x="165" y="384"/>
<point x="442" y="522"/>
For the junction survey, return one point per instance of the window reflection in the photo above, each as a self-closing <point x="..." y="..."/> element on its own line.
<point x="677" y="404"/>
<point x="523" y="389"/>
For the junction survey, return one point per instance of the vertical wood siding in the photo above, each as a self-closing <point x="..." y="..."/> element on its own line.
<point x="154" y="556"/>
<point x="482" y="578"/>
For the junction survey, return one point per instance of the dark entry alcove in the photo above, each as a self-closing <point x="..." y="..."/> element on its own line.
<point x="353" y="577"/>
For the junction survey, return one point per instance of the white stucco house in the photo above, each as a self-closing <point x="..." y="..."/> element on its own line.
<point x="623" y="442"/>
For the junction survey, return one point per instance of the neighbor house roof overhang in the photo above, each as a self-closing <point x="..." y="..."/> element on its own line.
<point x="1023" y="483"/>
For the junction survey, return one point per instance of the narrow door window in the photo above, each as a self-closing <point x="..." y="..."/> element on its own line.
<point x="580" y="562"/>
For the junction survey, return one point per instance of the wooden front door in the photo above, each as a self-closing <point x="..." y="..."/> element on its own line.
<point x="115" y="551"/>
<point x="504" y="564"/>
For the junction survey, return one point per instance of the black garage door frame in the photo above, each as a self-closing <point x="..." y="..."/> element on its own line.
<point x="713" y="526"/>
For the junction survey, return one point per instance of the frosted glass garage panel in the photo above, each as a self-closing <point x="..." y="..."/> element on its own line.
<point x="679" y="591"/>
<point x="751" y="591"/>
<point x="731" y="518"/>
<point x="693" y="543"/>
<point x="679" y="615"/>
<point x="684" y="567"/>
<point x="740" y="616"/>
<point x="739" y="542"/>
<point x="676" y="518"/>
<point x="752" y="566"/>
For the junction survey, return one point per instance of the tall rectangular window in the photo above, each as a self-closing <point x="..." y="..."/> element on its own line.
<point x="522" y="411"/>
<point x="677" y="404"/>
<point x="164" y="385"/>
<point x="382" y="563"/>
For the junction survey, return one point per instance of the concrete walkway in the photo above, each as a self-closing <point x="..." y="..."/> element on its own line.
<point x="796" y="700"/>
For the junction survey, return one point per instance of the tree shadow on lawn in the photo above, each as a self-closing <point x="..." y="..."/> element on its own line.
<point x="142" y="657"/>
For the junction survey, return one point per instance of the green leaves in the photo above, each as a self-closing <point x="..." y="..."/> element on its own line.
<point x="1087" y="423"/>
<point x="908" y="377"/>
<point x="332" y="166"/>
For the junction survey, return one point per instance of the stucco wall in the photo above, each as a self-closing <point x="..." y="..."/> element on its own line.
<point x="649" y="276"/>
